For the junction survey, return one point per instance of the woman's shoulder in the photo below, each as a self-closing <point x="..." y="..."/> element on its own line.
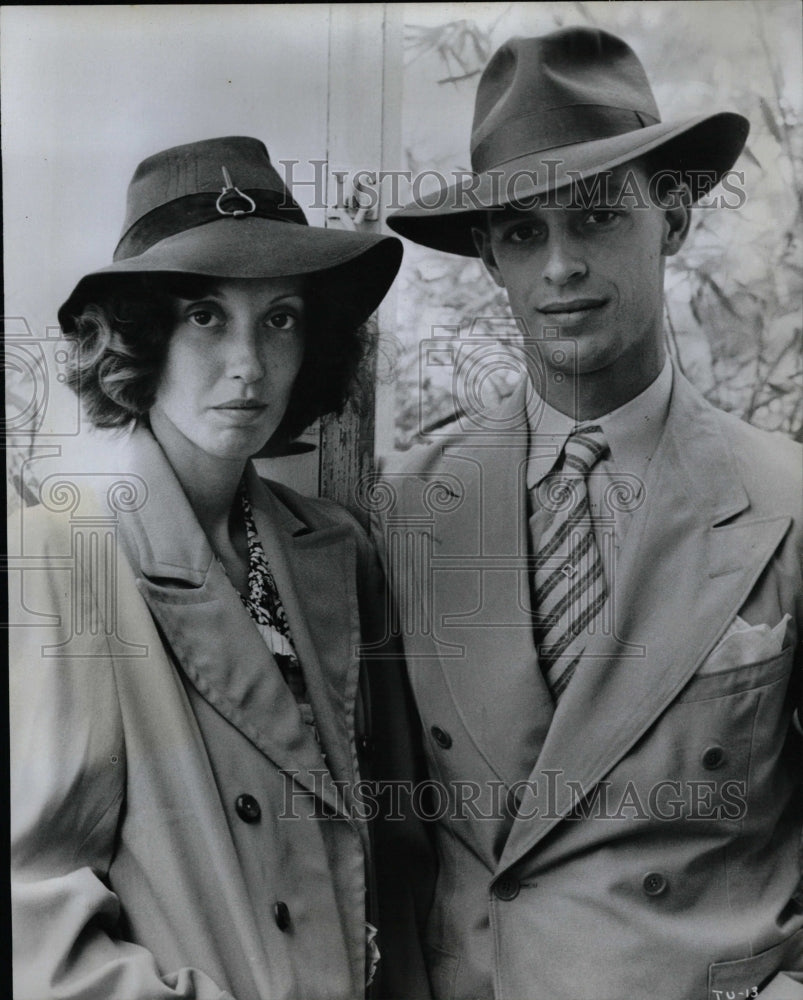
<point x="45" y="529"/>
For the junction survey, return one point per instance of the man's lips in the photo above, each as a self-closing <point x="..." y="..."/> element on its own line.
<point x="571" y="306"/>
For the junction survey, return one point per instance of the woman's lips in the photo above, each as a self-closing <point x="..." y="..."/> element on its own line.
<point x="240" y="404"/>
<point x="241" y="411"/>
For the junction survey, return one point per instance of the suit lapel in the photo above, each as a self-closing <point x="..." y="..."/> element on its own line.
<point x="480" y="546"/>
<point x="679" y="555"/>
<point x="209" y="631"/>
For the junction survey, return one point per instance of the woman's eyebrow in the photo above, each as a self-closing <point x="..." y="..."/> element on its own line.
<point x="196" y="295"/>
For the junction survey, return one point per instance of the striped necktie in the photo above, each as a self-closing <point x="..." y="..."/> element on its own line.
<point x="569" y="588"/>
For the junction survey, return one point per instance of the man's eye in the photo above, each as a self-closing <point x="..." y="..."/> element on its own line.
<point x="602" y="217"/>
<point x="522" y="233"/>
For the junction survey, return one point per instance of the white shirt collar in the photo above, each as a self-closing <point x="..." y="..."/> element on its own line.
<point x="632" y="430"/>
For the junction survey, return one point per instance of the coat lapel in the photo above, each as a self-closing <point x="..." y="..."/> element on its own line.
<point x="211" y="634"/>
<point x="316" y="573"/>
<point x="479" y="548"/>
<point x="693" y="560"/>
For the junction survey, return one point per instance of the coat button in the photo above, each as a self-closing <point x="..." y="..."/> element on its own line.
<point x="365" y="745"/>
<point x="654" y="884"/>
<point x="248" y="808"/>
<point x="712" y="758"/>
<point x="507" y="887"/>
<point x="441" y="737"/>
<point x="281" y="914"/>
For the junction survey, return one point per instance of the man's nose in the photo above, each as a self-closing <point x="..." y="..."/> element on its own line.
<point x="563" y="261"/>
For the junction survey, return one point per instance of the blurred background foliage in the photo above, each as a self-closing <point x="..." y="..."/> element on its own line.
<point x="734" y="293"/>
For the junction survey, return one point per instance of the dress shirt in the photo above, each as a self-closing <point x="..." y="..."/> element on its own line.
<point x="616" y="484"/>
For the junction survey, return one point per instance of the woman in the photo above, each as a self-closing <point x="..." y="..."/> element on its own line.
<point x="185" y="729"/>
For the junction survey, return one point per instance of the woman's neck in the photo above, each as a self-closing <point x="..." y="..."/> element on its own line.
<point x="209" y="482"/>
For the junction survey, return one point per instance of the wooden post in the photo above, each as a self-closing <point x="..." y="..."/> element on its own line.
<point x="358" y="131"/>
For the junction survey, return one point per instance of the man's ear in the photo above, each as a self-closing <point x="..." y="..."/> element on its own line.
<point x="677" y="220"/>
<point x="482" y="241"/>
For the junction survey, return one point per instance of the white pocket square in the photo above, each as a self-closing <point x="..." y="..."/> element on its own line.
<point x="743" y="643"/>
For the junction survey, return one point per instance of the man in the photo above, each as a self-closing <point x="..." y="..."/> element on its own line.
<point x="599" y="585"/>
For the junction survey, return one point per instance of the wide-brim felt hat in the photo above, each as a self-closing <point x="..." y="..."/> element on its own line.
<point x="219" y="208"/>
<point x="557" y="109"/>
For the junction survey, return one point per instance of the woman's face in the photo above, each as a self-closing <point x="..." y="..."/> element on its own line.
<point x="231" y="363"/>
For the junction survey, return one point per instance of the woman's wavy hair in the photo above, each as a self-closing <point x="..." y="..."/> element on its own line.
<point x="120" y="342"/>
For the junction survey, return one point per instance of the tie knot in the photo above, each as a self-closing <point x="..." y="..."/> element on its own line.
<point x="584" y="447"/>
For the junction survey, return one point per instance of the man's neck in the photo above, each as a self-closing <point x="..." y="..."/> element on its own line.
<point x="593" y="394"/>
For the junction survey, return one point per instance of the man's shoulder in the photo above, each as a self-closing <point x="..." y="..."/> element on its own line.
<point x="769" y="463"/>
<point x="769" y="452"/>
<point x="501" y="424"/>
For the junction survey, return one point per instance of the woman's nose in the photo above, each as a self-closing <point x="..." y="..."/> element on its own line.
<point x="245" y="360"/>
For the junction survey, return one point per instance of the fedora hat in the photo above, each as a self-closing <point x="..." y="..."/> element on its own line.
<point x="219" y="208"/>
<point x="556" y="109"/>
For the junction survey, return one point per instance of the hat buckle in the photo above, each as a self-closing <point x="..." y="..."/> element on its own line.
<point x="229" y="191"/>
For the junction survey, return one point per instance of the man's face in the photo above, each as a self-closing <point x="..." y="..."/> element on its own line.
<point x="589" y="274"/>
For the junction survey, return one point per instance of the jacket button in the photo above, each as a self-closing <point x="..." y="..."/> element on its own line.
<point x="654" y="884"/>
<point x="441" y="737"/>
<point x="365" y="745"/>
<point x="248" y="808"/>
<point x="507" y="887"/>
<point x="712" y="758"/>
<point x="281" y="914"/>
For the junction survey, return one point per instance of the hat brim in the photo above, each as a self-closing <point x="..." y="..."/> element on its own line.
<point x="352" y="271"/>
<point x="701" y="149"/>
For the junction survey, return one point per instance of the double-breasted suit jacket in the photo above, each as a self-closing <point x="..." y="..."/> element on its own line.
<point x="164" y="785"/>
<point x="643" y="838"/>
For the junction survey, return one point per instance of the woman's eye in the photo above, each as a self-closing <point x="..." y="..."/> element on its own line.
<point x="282" y="321"/>
<point x="202" y="318"/>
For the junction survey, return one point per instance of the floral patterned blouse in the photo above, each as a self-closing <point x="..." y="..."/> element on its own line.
<point x="267" y="612"/>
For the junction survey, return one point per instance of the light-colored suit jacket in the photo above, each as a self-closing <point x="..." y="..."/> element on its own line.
<point x="643" y="839"/>
<point x="145" y="706"/>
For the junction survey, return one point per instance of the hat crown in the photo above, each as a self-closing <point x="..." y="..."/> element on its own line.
<point x="574" y="85"/>
<point x="173" y="184"/>
<point x="197" y="166"/>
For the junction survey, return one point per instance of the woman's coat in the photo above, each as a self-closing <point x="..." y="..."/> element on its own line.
<point x="176" y="829"/>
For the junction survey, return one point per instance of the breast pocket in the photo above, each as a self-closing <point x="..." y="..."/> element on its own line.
<point x="723" y="733"/>
<point x="751" y="675"/>
<point x="734" y="725"/>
